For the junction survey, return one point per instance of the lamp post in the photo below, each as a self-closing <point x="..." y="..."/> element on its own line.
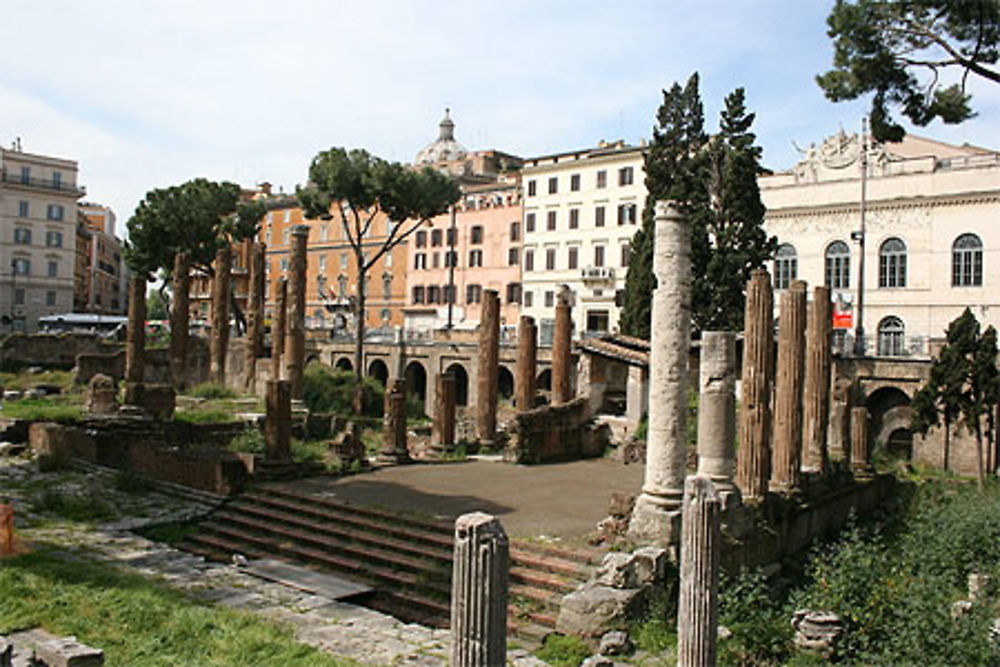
<point x="859" y="236"/>
<point x="452" y="258"/>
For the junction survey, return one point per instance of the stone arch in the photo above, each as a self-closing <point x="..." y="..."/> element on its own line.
<point x="890" y="412"/>
<point x="543" y="382"/>
<point x="505" y="382"/>
<point x="379" y="370"/>
<point x="313" y="359"/>
<point x="344" y="364"/>
<point x="461" y="383"/>
<point x="415" y="377"/>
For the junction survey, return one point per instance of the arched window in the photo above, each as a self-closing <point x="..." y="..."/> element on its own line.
<point x="786" y="266"/>
<point x="838" y="265"/>
<point x="892" y="263"/>
<point x="967" y="261"/>
<point x="890" y="337"/>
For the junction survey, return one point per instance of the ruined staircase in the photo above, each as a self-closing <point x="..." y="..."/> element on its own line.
<point x="407" y="560"/>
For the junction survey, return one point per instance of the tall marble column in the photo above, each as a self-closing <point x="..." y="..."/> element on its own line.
<point x="717" y="408"/>
<point x="255" y="314"/>
<point x="479" y="592"/>
<point x="562" y="347"/>
<point x="786" y="462"/>
<point x="754" y="455"/>
<point x="278" y="329"/>
<point x="698" y="597"/>
<point x="527" y="362"/>
<point x="220" y="313"/>
<point x="816" y="397"/>
<point x="180" y="317"/>
<point x="135" y="336"/>
<point x="656" y="517"/>
<point x="295" y="357"/>
<point x="489" y="369"/>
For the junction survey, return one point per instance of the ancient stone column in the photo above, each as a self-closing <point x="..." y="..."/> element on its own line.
<point x="527" y="362"/>
<point x="180" y="317"/>
<point x="786" y="461"/>
<point x="754" y="456"/>
<point x="444" y="411"/>
<point x="6" y="529"/>
<point x="278" y="423"/>
<point x="479" y="592"/>
<point x="489" y="369"/>
<point x="860" y="451"/>
<point x="220" y="313"/>
<point x="394" y="448"/>
<point x="656" y="516"/>
<point x="295" y="359"/>
<point x="255" y="314"/>
<point x="562" y="348"/>
<point x="717" y="408"/>
<point x="698" y="600"/>
<point x="135" y="336"/>
<point x="816" y="392"/>
<point x="278" y="328"/>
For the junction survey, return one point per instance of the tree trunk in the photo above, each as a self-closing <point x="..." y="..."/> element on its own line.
<point x="947" y="441"/>
<point x="979" y="457"/>
<point x="359" y="335"/>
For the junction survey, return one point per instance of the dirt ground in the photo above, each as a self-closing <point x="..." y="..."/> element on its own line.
<point x="563" y="501"/>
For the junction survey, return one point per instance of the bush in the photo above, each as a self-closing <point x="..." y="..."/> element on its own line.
<point x="563" y="650"/>
<point x="761" y="633"/>
<point x="250" y="441"/>
<point x="210" y="416"/>
<point x="415" y="408"/>
<point x="211" y="391"/>
<point x="329" y="390"/>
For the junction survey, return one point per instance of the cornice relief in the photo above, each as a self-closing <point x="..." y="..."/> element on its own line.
<point x="900" y="204"/>
<point x="833" y="156"/>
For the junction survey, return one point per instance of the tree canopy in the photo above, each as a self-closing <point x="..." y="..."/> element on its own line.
<point x="899" y="50"/>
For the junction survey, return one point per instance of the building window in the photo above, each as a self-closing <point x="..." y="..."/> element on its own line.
<point x="25" y="175"/>
<point x="22" y="235"/>
<point x="529" y="222"/>
<point x="22" y="209"/>
<point x="514" y="293"/>
<point x="550" y="259"/>
<point x="284" y="264"/>
<point x="532" y="188"/>
<point x="529" y="299"/>
<point x="892" y="263"/>
<point x="436" y="238"/>
<point x="513" y="257"/>
<point x="322" y="262"/>
<point x="420" y="260"/>
<point x="515" y="231"/>
<point x="324" y="233"/>
<point x="288" y="215"/>
<point x="343" y="260"/>
<point x="967" y="261"/>
<point x="598" y="321"/>
<point x="387" y="286"/>
<point x="529" y="260"/>
<point x="57" y="180"/>
<point x="21" y="266"/>
<point x="418" y="294"/>
<point x="599" y="216"/>
<point x="19" y="296"/>
<point x="435" y="260"/>
<point x="891" y="332"/>
<point x="50" y="298"/>
<point x="550" y="221"/>
<point x="451" y="258"/>
<point x="448" y="292"/>
<point x="602" y="179"/>
<point x="786" y="266"/>
<point x="574" y="183"/>
<point x="550" y="299"/>
<point x="598" y="255"/>
<point x="838" y="265"/>
<point x="626" y="214"/>
<point x="574" y="218"/>
<point x="476" y="235"/>
<point x="574" y="257"/>
<point x="626" y="254"/>
<point x="53" y="269"/>
<point x="626" y="176"/>
<point x="475" y="258"/>
<point x="421" y="241"/>
<point x="284" y="237"/>
<point x="433" y="294"/>
<point x="473" y="294"/>
<point x="388" y="260"/>
<point x="449" y="237"/>
<point x="553" y="185"/>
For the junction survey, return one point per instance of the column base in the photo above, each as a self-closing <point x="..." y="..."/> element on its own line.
<point x="656" y="520"/>
<point x="393" y="458"/>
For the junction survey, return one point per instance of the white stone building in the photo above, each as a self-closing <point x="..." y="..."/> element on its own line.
<point x="932" y="236"/>
<point x="581" y="210"/>
<point x="38" y="218"/>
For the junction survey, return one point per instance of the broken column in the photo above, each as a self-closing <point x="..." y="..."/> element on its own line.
<point x="860" y="454"/>
<point x="489" y="369"/>
<point x="278" y="328"/>
<point x="220" y="313"/>
<point x="135" y="336"/>
<point x="255" y="314"/>
<point x="479" y="592"/>
<point x="295" y="357"/>
<point x="180" y="320"/>
<point x="562" y="347"/>
<point x="278" y="423"/>
<point x="786" y="460"/>
<point x="717" y="408"/>
<point x="394" y="448"/>
<point x="698" y="599"/>
<point x="816" y="394"/>
<point x="6" y="529"/>
<point x="444" y="411"/>
<point x="754" y="456"/>
<point x="656" y="516"/>
<point x="527" y="361"/>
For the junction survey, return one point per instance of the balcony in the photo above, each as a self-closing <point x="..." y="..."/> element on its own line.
<point x="44" y="184"/>
<point x="597" y="274"/>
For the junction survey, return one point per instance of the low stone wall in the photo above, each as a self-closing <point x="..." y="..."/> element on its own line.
<point x="110" y="361"/>
<point x="556" y="433"/>
<point x="52" y="350"/>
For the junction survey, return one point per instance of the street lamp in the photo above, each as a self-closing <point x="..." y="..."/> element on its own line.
<point x="859" y="236"/>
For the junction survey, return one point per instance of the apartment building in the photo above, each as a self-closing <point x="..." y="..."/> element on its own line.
<point x="38" y="222"/>
<point x="105" y="281"/>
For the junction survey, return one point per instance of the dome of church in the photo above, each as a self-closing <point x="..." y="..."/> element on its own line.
<point x="445" y="148"/>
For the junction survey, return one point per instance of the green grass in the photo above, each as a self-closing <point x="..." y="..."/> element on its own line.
<point x="22" y="380"/>
<point x="57" y="409"/>
<point x="563" y="650"/>
<point x="205" y="416"/>
<point x="137" y="622"/>
<point x="211" y="390"/>
<point x="85" y="508"/>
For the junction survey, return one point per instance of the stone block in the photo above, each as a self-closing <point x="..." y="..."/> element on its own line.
<point x="68" y="652"/>
<point x="615" y="642"/>
<point x="621" y="504"/>
<point x="102" y="395"/>
<point x="594" y="609"/>
<point x="817" y="631"/>
<point x="61" y="441"/>
<point x="156" y="400"/>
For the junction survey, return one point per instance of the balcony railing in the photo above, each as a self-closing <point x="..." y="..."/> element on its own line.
<point x="44" y="184"/>
<point x="597" y="274"/>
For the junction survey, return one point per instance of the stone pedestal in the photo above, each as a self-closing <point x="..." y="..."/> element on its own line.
<point x="180" y="320"/>
<point x="295" y="358"/>
<point x="444" y="412"/>
<point x="101" y="397"/>
<point x="816" y="396"/>
<point x="278" y="424"/>
<point x="255" y="314"/>
<point x="656" y="517"/>
<point x="698" y="601"/>
<point x="861" y="464"/>
<point x="135" y="336"/>
<point x="717" y="408"/>
<point x="220" y="314"/>
<point x="489" y="358"/>
<point x="786" y="461"/>
<point x="562" y="347"/>
<point x="278" y="329"/>
<point x="479" y="592"/>
<point x="527" y="362"/>
<point x="754" y="455"/>
<point x="394" y="448"/>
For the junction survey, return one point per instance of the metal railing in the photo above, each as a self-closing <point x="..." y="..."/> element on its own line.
<point x="882" y="345"/>
<point x="44" y="183"/>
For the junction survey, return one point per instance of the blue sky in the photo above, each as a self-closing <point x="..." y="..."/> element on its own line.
<point x="148" y="94"/>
